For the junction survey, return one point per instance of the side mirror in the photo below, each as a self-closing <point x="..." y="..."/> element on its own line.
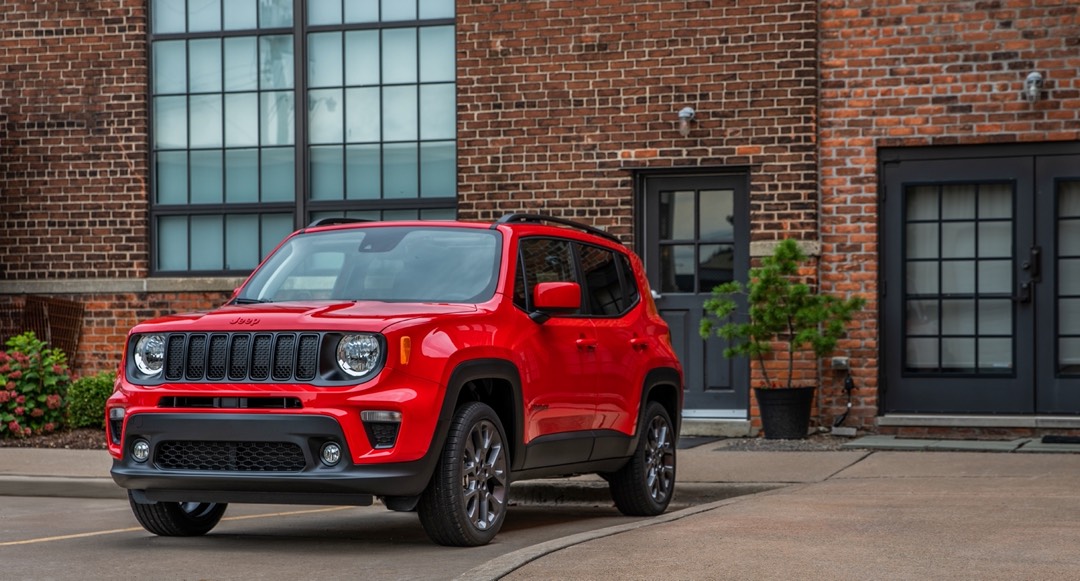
<point x="549" y="297"/>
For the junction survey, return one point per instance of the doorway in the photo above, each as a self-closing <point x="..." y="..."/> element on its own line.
<point x="981" y="280"/>
<point x="693" y="235"/>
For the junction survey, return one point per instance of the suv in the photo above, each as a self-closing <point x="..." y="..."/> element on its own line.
<point x="425" y="363"/>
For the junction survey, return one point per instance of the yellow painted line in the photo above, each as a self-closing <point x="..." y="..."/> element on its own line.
<point x="136" y="529"/>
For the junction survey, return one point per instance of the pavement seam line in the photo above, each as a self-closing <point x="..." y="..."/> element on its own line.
<point x="137" y="529"/>
<point x="855" y="463"/>
<point x="502" y="566"/>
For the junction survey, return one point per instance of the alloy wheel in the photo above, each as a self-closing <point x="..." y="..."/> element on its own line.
<point x="483" y="475"/>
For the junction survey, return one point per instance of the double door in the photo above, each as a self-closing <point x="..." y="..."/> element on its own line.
<point x="981" y="285"/>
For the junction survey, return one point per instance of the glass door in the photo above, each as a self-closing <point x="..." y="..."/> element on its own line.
<point x="696" y="237"/>
<point x="959" y="314"/>
<point x="981" y="304"/>
<point x="1058" y="233"/>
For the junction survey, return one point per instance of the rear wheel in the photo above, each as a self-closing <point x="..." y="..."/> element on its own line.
<point x="465" y="503"/>
<point x="178" y="519"/>
<point x="644" y="486"/>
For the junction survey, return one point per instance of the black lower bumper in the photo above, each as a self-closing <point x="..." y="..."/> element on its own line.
<point x="306" y="482"/>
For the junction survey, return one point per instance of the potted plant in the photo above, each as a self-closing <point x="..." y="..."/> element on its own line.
<point x="782" y="311"/>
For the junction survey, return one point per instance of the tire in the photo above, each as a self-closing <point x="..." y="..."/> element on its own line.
<point x="644" y="486"/>
<point x="465" y="503"/>
<point x="178" y="519"/>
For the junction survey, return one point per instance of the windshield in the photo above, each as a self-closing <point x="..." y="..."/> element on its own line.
<point x="397" y="264"/>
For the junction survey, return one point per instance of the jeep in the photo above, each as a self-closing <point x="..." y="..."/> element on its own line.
<point x="426" y="364"/>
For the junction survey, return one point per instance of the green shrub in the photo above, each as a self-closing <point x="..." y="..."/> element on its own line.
<point x="86" y="400"/>
<point x="33" y="382"/>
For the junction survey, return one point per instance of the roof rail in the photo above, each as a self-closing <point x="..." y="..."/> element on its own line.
<point x="538" y="218"/>
<point x="336" y="220"/>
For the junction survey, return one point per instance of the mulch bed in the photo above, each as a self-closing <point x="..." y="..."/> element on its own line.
<point x="78" y="439"/>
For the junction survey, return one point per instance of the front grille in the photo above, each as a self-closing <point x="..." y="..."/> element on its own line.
<point x="223" y="357"/>
<point x="229" y="456"/>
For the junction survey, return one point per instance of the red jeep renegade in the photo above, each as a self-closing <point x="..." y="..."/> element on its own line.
<point x="429" y="364"/>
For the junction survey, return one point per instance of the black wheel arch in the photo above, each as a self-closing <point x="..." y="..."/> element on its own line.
<point x="495" y="382"/>
<point x="664" y="386"/>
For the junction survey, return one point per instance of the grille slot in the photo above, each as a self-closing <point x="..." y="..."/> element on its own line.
<point x="217" y="456"/>
<point x="280" y="357"/>
<point x="283" y="357"/>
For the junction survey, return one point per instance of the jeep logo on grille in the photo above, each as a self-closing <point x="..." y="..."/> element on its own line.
<point x="244" y="321"/>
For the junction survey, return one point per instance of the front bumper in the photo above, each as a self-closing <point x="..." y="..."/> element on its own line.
<point x="228" y="478"/>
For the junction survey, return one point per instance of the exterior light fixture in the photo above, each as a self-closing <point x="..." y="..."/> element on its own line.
<point x="686" y="115"/>
<point x="1033" y="86"/>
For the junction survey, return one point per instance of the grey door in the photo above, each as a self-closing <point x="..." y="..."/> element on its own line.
<point x="695" y="237"/>
<point x="981" y="312"/>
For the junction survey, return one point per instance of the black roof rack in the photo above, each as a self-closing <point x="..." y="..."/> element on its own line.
<point x="336" y="220"/>
<point x="538" y="218"/>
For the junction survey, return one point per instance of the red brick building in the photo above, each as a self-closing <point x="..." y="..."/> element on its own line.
<point x="154" y="150"/>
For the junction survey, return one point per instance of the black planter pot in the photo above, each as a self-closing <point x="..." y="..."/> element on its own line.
<point x="785" y="412"/>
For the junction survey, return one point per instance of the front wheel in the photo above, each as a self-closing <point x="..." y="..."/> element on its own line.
<point x="644" y="486"/>
<point x="178" y="519"/>
<point x="465" y="503"/>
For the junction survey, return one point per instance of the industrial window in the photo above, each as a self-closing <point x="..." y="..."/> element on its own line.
<point x="267" y="114"/>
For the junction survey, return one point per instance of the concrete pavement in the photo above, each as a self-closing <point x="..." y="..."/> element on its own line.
<point x="865" y="512"/>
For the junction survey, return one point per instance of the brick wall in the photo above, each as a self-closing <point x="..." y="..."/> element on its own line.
<point x="937" y="72"/>
<point x="73" y="149"/>
<point x="557" y="100"/>
<point x="108" y="317"/>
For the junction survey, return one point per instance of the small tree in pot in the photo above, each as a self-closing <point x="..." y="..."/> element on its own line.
<point x="782" y="310"/>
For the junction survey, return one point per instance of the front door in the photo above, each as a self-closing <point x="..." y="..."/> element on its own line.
<point x="694" y="237"/>
<point x="981" y="311"/>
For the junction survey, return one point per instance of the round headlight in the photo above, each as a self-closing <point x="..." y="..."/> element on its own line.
<point x="150" y="354"/>
<point x="358" y="355"/>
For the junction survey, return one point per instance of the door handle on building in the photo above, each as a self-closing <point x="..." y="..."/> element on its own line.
<point x="1034" y="264"/>
<point x="1023" y="294"/>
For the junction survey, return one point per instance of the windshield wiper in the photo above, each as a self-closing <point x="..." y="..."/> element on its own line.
<point x="251" y="301"/>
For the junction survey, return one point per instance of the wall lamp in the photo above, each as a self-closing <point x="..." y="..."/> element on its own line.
<point x="1033" y="86"/>
<point x="686" y="115"/>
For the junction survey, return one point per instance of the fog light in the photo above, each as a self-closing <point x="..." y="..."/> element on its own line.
<point x="140" y="450"/>
<point x="330" y="454"/>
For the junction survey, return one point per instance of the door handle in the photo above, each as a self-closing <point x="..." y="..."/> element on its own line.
<point x="639" y="344"/>
<point x="586" y="344"/>
<point x="1034" y="264"/>
<point x="1023" y="294"/>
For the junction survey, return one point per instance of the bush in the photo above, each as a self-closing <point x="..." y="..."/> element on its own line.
<point x="33" y="382"/>
<point x="86" y="400"/>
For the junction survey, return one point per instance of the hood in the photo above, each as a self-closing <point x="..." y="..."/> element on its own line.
<point x="372" y="316"/>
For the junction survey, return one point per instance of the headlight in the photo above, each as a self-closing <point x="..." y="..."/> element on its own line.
<point x="358" y="355"/>
<point x="150" y="354"/>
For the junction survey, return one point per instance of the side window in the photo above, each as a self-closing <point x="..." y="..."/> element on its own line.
<point x="542" y="260"/>
<point x="603" y="289"/>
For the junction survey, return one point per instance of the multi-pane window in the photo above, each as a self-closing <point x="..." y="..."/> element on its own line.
<point x="697" y="240"/>
<point x="1068" y="277"/>
<point x="268" y="114"/>
<point x="958" y="261"/>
